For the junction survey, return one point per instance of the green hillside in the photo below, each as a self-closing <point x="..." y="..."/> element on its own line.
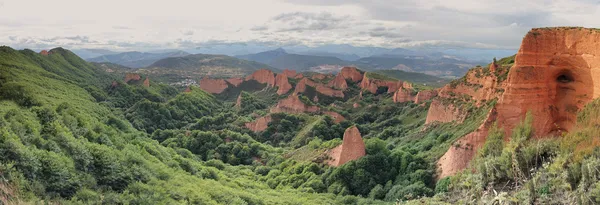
<point x="199" y="65"/>
<point x="416" y="78"/>
<point x="63" y="142"/>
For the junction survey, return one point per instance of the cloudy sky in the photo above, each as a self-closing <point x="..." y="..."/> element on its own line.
<point x="163" y="24"/>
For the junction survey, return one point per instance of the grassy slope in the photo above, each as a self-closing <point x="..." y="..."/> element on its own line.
<point x="56" y="80"/>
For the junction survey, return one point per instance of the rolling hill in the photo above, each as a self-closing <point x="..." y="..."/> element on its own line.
<point x="136" y="59"/>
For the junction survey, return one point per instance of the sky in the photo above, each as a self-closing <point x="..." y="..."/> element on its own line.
<point x="179" y="24"/>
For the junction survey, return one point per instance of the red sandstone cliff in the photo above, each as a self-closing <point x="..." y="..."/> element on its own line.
<point x="318" y="76"/>
<point x="235" y="81"/>
<point x="214" y="86"/>
<point x="147" y="82"/>
<point x="339" y="82"/>
<point x="293" y="104"/>
<point x="352" y="148"/>
<point x="289" y="73"/>
<point x="263" y="76"/>
<point x="403" y="95"/>
<point x="373" y="84"/>
<point x="425" y="95"/>
<point x="259" y="124"/>
<point x="351" y="73"/>
<point x="44" y="52"/>
<point x="281" y="81"/>
<point x="337" y="118"/>
<point x="301" y="88"/>
<point x="556" y="72"/>
<point x="132" y="76"/>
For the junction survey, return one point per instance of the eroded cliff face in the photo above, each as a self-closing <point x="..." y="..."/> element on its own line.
<point x="352" y="148"/>
<point x="263" y="76"/>
<point x="403" y="95"/>
<point x="318" y="76"/>
<point x="301" y="88"/>
<point x="373" y="84"/>
<point x="132" y="76"/>
<point x="147" y="82"/>
<point x="556" y="72"/>
<point x="351" y="73"/>
<point x="293" y="104"/>
<point x="339" y="82"/>
<point x="281" y="81"/>
<point x="44" y="52"/>
<point x="289" y="73"/>
<point x="235" y="81"/>
<point x="337" y="118"/>
<point x="259" y="124"/>
<point x="214" y="86"/>
<point x="425" y="95"/>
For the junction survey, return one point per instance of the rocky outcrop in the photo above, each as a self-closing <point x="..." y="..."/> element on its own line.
<point x="351" y="73"/>
<point x="235" y="81"/>
<point x="188" y="89"/>
<point x="301" y="88"/>
<point x="372" y="85"/>
<point x="132" y="76"/>
<point x="146" y="82"/>
<point x="289" y="73"/>
<point x="442" y="112"/>
<point x="214" y="86"/>
<point x="355" y="105"/>
<point x="281" y="81"/>
<point x="263" y="76"/>
<point x="339" y="82"/>
<point x="259" y="124"/>
<point x="556" y="72"/>
<point x="403" y="95"/>
<point x="352" y="148"/>
<point x="238" y="102"/>
<point x="407" y="85"/>
<point x="293" y="104"/>
<point x="425" y="95"/>
<point x="337" y="118"/>
<point x="44" y="52"/>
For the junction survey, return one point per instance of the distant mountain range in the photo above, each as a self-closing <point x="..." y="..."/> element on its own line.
<point x="199" y="65"/>
<point x="137" y="59"/>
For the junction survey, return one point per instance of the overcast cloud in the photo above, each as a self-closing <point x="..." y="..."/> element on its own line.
<point x="150" y="24"/>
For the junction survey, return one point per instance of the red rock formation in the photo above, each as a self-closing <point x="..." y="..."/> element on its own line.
<point x="147" y="82"/>
<point x="440" y="112"/>
<point x="293" y="104"/>
<point x="289" y="73"/>
<point x="214" y="86"/>
<point x="351" y="73"/>
<point x="407" y="85"/>
<point x="301" y="88"/>
<point x="44" y="52"/>
<point x="352" y="148"/>
<point x="556" y="72"/>
<point x="235" y="81"/>
<point x="259" y="124"/>
<point x="318" y="76"/>
<point x="238" y="102"/>
<point x="339" y="82"/>
<point x="425" y="95"/>
<point x="373" y="84"/>
<point x="337" y="118"/>
<point x="263" y="76"/>
<point x="281" y="81"/>
<point x="299" y="76"/>
<point x="403" y="95"/>
<point x="355" y="105"/>
<point x="132" y="76"/>
<point x="187" y="90"/>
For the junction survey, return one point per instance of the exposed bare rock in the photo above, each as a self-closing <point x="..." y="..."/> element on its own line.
<point x="352" y="148"/>
<point x="263" y="76"/>
<point x="318" y="76"/>
<point x="147" y="82"/>
<point x="351" y="73"/>
<point x="355" y="105"/>
<point x="188" y="89"/>
<point x="235" y="81"/>
<point x="403" y="95"/>
<point x="425" y="95"/>
<point x="339" y="82"/>
<point x="132" y="76"/>
<point x="281" y="81"/>
<point x="373" y="84"/>
<point x="336" y="116"/>
<point x="293" y="104"/>
<point x="44" y="52"/>
<point x="214" y="86"/>
<point x="238" y="102"/>
<point x="301" y="88"/>
<point x="440" y="112"/>
<point x="289" y="73"/>
<point x="259" y="124"/>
